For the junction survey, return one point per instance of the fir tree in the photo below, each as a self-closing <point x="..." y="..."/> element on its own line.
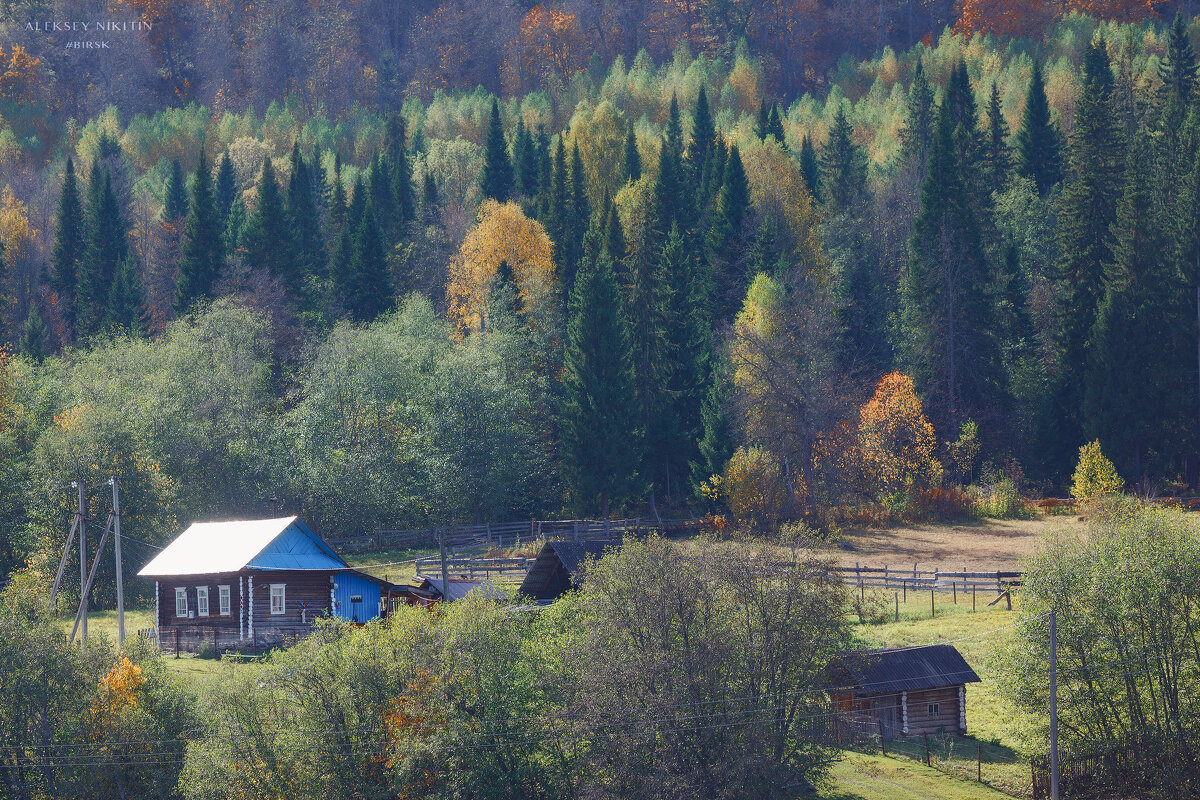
<point x="762" y="126"/>
<point x="175" y="205"/>
<point x="599" y="421"/>
<point x="703" y="137"/>
<point x="125" y="303"/>
<point x="201" y="255"/>
<point x="633" y="159"/>
<point x="996" y="163"/>
<point x="235" y="226"/>
<point x="1138" y="338"/>
<point x="226" y="188"/>
<point x="497" y="177"/>
<point x="266" y="237"/>
<point x="402" y="180"/>
<point x="336" y="218"/>
<point x="383" y="199"/>
<point x="918" y="123"/>
<point x="810" y="168"/>
<point x="525" y="160"/>
<point x="68" y="243"/>
<point x="581" y="211"/>
<point x="947" y="292"/>
<point x="369" y="290"/>
<point x="775" y="126"/>
<point x="34" y="341"/>
<point x="1037" y="142"/>
<point x="844" y="165"/>
<point x="716" y="441"/>
<point x="393" y="139"/>
<point x="429" y="198"/>
<point x="724" y="238"/>
<point x="1087" y="216"/>
<point x="107" y="246"/>
<point x="673" y="133"/>
<point x="1178" y="69"/>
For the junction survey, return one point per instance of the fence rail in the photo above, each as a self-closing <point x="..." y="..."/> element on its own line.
<point x="510" y="534"/>
<point x="939" y="580"/>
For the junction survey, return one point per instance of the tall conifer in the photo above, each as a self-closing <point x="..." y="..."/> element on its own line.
<point x="200" y="252"/>
<point x="107" y="246"/>
<point x="68" y="243"/>
<point x="1037" y="141"/>
<point x="497" y="177"/>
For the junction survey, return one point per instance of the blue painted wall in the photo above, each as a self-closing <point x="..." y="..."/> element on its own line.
<point x="349" y="586"/>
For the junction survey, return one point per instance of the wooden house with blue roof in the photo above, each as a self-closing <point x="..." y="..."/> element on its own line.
<point x="256" y="581"/>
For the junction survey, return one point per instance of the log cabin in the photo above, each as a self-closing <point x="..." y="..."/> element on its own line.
<point x="256" y="583"/>
<point x="902" y="691"/>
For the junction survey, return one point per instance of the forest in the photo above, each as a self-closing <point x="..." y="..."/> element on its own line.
<point x="651" y="286"/>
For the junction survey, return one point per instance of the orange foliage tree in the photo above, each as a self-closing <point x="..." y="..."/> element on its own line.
<point x="1119" y="10"/>
<point x="21" y="76"/>
<point x="895" y="439"/>
<point x="1016" y="18"/>
<point x="502" y="234"/>
<point x="549" y="40"/>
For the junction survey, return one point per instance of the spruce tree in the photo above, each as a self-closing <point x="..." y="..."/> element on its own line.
<point x="383" y="199"/>
<point x="844" y="165"/>
<point x="429" y="198"/>
<point x="715" y="447"/>
<point x="763" y="124"/>
<point x="1037" y="142"/>
<point x="947" y="292"/>
<point x="369" y="290"/>
<point x="107" y="246"/>
<point x="201" y="255"/>
<point x="235" y="226"/>
<point x="633" y="159"/>
<point x="599" y="421"/>
<point x="175" y="206"/>
<point x="267" y="237"/>
<point x="1087" y="217"/>
<point x="125" y="312"/>
<point x="775" y="126"/>
<point x="581" y="211"/>
<point x="525" y="160"/>
<point x="1138" y="337"/>
<point x="226" y="188"/>
<point x="497" y="177"/>
<point x="996" y="163"/>
<point x="402" y="180"/>
<point x="34" y="341"/>
<point x="68" y="243"/>
<point x="810" y="168"/>
<point x="703" y="137"/>
<point x="725" y="237"/>
<point x="1178" y="69"/>
<point x="918" y="123"/>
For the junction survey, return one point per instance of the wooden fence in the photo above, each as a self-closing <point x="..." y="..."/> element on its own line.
<point x="903" y="579"/>
<point x="511" y="534"/>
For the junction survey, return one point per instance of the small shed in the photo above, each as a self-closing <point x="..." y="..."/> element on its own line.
<point x="459" y="588"/>
<point x="555" y="571"/>
<point x="903" y="691"/>
<point x="255" y="581"/>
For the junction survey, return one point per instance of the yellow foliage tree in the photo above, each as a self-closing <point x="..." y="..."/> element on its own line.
<point x="758" y="322"/>
<point x="753" y="486"/>
<point x="16" y="232"/>
<point x="502" y="234"/>
<point x="600" y="134"/>
<point x="895" y="439"/>
<point x="1095" y="476"/>
<point x="20" y="75"/>
<point x="779" y="192"/>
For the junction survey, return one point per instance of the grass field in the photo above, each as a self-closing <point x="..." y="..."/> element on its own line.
<point x="983" y="544"/>
<point x="865" y="777"/>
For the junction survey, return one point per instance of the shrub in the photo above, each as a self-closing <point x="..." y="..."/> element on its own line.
<point x="1000" y="500"/>
<point x="896" y="440"/>
<point x="1095" y="476"/>
<point x="942" y="504"/>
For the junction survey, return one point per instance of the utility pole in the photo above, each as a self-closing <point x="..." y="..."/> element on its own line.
<point x="120" y="577"/>
<point x="445" y="567"/>
<point x="1053" y="706"/>
<point x="83" y="600"/>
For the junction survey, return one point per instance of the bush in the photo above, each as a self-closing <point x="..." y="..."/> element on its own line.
<point x="943" y="504"/>
<point x="1095" y="476"/>
<point x="753" y="486"/>
<point x="1000" y="500"/>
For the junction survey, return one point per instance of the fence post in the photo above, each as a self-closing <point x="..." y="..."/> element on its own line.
<point x="932" y="607"/>
<point x="904" y="585"/>
<point x="954" y="589"/>
<point x="972" y="597"/>
<point x="897" y="606"/>
<point x="575" y="528"/>
<point x="882" y="744"/>
<point x="177" y="642"/>
<point x="927" y="750"/>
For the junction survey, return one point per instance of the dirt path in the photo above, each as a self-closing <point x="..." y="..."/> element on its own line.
<point x="987" y="544"/>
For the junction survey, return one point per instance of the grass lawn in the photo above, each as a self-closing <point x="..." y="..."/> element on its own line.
<point x="991" y="720"/>
<point x="865" y="777"/>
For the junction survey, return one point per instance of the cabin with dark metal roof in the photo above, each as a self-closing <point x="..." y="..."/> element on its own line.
<point x="902" y="691"/>
<point x="255" y="583"/>
<point x="556" y="569"/>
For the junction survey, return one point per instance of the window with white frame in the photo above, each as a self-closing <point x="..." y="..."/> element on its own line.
<point x="181" y="602"/>
<point x="223" y="598"/>
<point x="202" y="600"/>
<point x="934" y="709"/>
<point x="277" y="598"/>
